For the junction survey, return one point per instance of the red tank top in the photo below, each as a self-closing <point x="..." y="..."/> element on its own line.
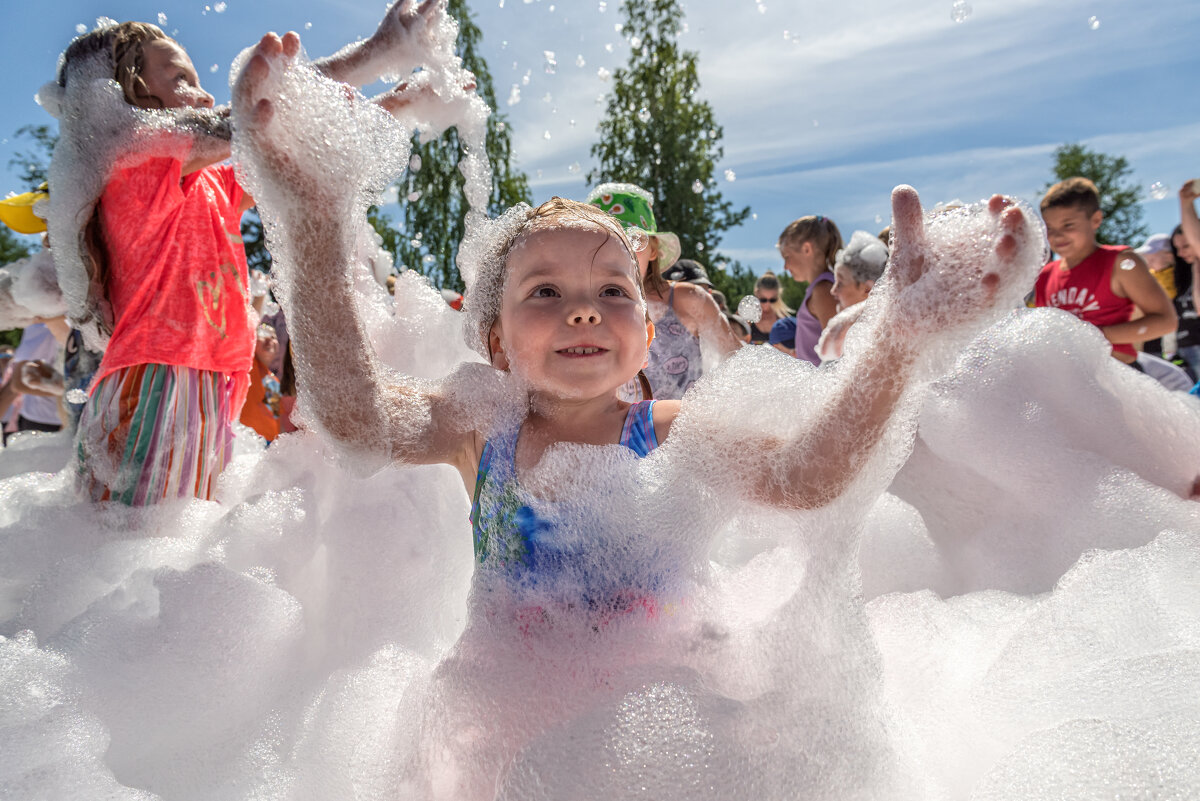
<point x="1085" y="291"/>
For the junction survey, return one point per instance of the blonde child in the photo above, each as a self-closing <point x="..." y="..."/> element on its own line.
<point x="808" y="247"/>
<point x="167" y="292"/>
<point x="683" y="313"/>
<point x="556" y="303"/>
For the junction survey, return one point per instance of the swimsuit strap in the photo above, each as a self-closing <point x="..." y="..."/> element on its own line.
<point x="638" y="433"/>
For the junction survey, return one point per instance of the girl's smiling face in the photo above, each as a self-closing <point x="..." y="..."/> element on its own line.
<point x="572" y="319"/>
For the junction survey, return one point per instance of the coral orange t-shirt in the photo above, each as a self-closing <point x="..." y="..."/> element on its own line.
<point x="258" y="413"/>
<point x="177" y="277"/>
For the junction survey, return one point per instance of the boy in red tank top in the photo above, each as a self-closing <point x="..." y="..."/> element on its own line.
<point x="1104" y="285"/>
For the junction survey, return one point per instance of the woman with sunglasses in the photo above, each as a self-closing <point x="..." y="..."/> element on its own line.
<point x="767" y="289"/>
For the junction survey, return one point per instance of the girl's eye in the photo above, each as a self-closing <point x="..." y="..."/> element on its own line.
<point x="613" y="292"/>
<point x="545" y="292"/>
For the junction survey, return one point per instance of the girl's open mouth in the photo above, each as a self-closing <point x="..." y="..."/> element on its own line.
<point x="582" y="350"/>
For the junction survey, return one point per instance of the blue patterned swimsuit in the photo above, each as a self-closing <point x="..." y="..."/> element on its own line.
<point x="519" y="535"/>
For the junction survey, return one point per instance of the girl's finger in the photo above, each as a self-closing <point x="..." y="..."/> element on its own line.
<point x="908" y="223"/>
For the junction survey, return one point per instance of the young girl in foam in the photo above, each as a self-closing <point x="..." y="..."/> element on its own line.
<point x="683" y="313"/>
<point x="571" y="590"/>
<point x="160" y="277"/>
<point x="808" y="246"/>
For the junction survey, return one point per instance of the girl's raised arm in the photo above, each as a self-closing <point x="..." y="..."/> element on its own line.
<point x="841" y="414"/>
<point x="315" y="217"/>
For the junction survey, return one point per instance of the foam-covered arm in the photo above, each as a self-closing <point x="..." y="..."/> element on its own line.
<point x="393" y="49"/>
<point x="816" y="429"/>
<point x="313" y="197"/>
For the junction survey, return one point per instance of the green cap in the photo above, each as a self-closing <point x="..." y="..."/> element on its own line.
<point x="633" y="206"/>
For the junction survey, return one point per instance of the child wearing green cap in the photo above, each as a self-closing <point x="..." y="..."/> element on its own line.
<point x="682" y="313"/>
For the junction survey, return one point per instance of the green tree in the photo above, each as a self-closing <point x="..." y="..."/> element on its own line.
<point x="656" y="134"/>
<point x="1120" y="197"/>
<point x="34" y="165"/>
<point x="432" y="195"/>
<point x="12" y="247"/>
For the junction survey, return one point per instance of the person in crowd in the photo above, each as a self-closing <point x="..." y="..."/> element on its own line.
<point x="1100" y="284"/>
<point x="856" y="270"/>
<point x="36" y="379"/>
<point x="1185" y="247"/>
<point x="261" y="411"/>
<point x="165" y="257"/>
<point x="808" y="246"/>
<point x="1156" y="251"/>
<point x="769" y="292"/>
<point x="682" y="310"/>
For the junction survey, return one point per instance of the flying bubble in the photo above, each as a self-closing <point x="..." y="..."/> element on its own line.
<point x="644" y="115"/>
<point x="635" y="42"/>
<point x="730" y="176"/>
<point x="603" y="74"/>
<point x="700" y="247"/>
<point x="603" y="6"/>
<point x="413" y="197"/>
<point x="162" y="19"/>
<point x="514" y="97"/>
<point x="960" y="10"/>
<point x="551" y="61"/>
<point x="75" y="396"/>
<point x="749" y="309"/>
<point x="546" y="135"/>
<point x="308" y="26"/>
<point x="213" y="68"/>
<point x="220" y="8"/>
<point x="81" y="28"/>
<point x="1159" y="191"/>
<point x="639" y="239"/>
<point x="1094" y="23"/>
<point x="575" y="168"/>
<point x="580" y="61"/>
<point x="414" y="163"/>
<point x="697" y="186"/>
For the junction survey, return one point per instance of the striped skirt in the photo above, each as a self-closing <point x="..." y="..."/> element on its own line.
<point x="155" y="432"/>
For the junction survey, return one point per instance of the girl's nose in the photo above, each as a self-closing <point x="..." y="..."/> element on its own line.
<point x="204" y="99"/>
<point x="584" y="315"/>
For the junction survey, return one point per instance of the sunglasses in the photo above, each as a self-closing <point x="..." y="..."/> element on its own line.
<point x="768" y="300"/>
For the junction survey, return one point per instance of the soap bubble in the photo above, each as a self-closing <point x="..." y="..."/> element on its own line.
<point x="546" y="135"/>
<point x="414" y="163"/>
<point x="81" y="28"/>
<point x="643" y="115"/>
<point x="308" y="26"/>
<point x="697" y="186"/>
<point x="960" y="10"/>
<point x="730" y="176"/>
<point x="749" y="308"/>
<point x="75" y="396"/>
<point x="219" y="7"/>
<point x="1094" y="23"/>
<point x="635" y="42"/>
<point x="700" y="247"/>
<point x="551" y="61"/>
<point x="213" y="68"/>
<point x="1159" y="191"/>
<point x="639" y="239"/>
<point x="580" y="61"/>
<point x="162" y="19"/>
<point x="603" y="74"/>
<point x="575" y="168"/>
<point x="414" y="196"/>
<point x="514" y="96"/>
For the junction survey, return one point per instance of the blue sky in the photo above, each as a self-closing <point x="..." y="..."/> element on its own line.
<point x="825" y="106"/>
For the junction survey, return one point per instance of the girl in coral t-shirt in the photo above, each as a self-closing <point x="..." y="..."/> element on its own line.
<point x="167" y="292"/>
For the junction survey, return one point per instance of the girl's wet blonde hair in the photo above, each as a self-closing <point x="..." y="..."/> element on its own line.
<point x="481" y="303"/>
<point x="821" y="231"/>
<point x="124" y="44"/>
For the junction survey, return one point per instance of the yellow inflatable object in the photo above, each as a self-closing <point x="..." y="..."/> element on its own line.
<point x="17" y="213"/>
